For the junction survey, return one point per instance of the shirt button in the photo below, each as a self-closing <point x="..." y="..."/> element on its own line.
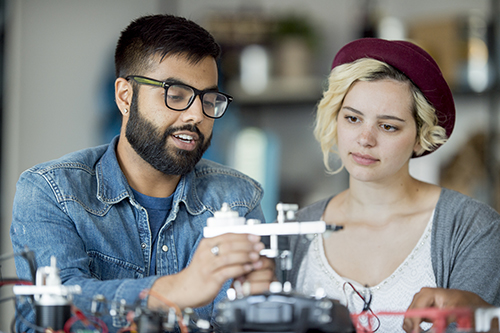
<point x="164" y="248"/>
<point x="143" y="245"/>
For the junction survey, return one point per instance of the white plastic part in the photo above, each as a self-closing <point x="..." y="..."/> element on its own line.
<point x="225" y="217"/>
<point x="48" y="289"/>
<point x="275" y="287"/>
<point x="483" y="318"/>
<point x="287" y="286"/>
<point x="267" y="229"/>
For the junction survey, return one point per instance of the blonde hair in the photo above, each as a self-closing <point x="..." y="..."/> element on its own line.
<point x="429" y="134"/>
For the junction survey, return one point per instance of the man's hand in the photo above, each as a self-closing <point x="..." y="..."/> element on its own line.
<point x="442" y="299"/>
<point x="258" y="280"/>
<point x="215" y="261"/>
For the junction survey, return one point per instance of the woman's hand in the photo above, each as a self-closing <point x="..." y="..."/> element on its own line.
<point x="441" y="298"/>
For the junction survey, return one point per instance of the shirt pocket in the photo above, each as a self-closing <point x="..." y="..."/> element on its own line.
<point x="106" y="267"/>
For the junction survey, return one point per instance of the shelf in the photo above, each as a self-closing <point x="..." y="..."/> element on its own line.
<point x="280" y="91"/>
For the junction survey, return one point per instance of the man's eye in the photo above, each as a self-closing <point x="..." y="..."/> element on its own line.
<point x="208" y="104"/>
<point x="175" y="98"/>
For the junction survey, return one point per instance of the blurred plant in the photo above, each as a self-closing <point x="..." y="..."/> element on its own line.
<point x="298" y="26"/>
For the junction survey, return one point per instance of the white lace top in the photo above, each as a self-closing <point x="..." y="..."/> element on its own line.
<point x="394" y="294"/>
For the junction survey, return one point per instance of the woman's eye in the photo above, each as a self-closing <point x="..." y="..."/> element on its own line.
<point x="389" y="128"/>
<point x="352" y="119"/>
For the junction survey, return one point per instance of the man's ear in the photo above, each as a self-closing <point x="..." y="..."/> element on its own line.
<point x="123" y="95"/>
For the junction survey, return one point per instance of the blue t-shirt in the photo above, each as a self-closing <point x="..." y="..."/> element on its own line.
<point x="158" y="209"/>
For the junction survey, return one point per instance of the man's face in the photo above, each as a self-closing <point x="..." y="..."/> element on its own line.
<point x="171" y="141"/>
<point x="151" y="144"/>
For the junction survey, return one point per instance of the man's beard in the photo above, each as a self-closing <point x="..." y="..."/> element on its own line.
<point x="151" y="145"/>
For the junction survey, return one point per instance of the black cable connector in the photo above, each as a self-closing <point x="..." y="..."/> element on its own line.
<point x="334" y="227"/>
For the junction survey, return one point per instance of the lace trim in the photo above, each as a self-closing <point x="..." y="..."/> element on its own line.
<point x="319" y="252"/>
<point x="392" y="294"/>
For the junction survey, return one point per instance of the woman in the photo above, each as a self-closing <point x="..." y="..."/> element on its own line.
<point x="387" y="102"/>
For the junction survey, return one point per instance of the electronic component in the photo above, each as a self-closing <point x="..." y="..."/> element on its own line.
<point x="280" y="309"/>
<point x="283" y="312"/>
<point x="52" y="299"/>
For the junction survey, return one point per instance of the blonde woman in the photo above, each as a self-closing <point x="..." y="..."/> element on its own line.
<point x="387" y="102"/>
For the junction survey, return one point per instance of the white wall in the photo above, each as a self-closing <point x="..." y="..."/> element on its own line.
<point x="58" y="52"/>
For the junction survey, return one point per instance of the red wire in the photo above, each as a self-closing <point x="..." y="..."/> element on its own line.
<point x="80" y="316"/>
<point x="364" y="312"/>
<point x="437" y="316"/>
<point x="15" y="281"/>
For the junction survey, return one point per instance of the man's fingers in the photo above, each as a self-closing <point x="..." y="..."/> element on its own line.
<point x="268" y="263"/>
<point x="230" y="243"/>
<point x="266" y="274"/>
<point x="228" y="272"/>
<point x="259" y="287"/>
<point x="259" y="279"/>
<point x="237" y="258"/>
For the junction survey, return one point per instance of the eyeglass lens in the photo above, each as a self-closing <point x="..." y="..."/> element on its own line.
<point x="179" y="97"/>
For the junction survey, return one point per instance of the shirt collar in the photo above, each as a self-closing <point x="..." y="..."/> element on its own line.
<point x="112" y="185"/>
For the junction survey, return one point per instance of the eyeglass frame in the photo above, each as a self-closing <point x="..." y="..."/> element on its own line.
<point x="166" y="84"/>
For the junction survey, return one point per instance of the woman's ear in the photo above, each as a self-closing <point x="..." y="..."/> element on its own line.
<point x="417" y="147"/>
<point x="123" y="95"/>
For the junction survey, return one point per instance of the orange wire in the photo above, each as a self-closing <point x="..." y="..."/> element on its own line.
<point x="170" y="304"/>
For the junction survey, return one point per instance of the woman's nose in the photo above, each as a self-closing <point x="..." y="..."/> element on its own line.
<point x="367" y="137"/>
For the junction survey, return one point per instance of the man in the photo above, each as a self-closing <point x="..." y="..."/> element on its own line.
<point x="127" y="217"/>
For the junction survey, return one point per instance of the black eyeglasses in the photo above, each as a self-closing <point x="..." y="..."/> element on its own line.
<point x="180" y="97"/>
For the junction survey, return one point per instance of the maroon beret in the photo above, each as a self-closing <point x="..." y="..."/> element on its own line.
<point x="415" y="63"/>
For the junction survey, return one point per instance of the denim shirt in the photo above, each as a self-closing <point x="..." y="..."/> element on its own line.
<point x="81" y="210"/>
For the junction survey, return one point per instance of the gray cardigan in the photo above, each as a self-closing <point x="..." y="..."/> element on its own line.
<point x="465" y="244"/>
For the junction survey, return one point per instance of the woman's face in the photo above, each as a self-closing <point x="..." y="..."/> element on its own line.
<point x="376" y="130"/>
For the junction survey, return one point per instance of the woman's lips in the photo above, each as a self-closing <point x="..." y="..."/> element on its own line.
<point x="363" y="159"/>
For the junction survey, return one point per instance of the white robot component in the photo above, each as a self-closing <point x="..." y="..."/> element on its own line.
<point x="52" y="299"/>
<point x="280" y="309"/>
<point x="228" y="221"/>
<point x="484" y="317"/>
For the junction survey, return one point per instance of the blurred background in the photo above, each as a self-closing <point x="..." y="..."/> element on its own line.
<point x="57" y="74"/>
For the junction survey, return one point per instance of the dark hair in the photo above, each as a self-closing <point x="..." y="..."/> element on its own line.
<point x="161" y="35"/>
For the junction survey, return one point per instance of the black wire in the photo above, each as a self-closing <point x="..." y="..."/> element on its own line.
<point x="13" y="325"/>
<point x="366" y="304"/>
<point x="26" y="254"/>
<point x="30" y="258"/>
<point x="366" y="308"/>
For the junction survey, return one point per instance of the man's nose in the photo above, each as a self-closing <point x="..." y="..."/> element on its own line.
<point x="194" y="113"/>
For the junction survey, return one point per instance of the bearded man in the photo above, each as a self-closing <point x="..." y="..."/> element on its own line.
<point x="128" y="217"/>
